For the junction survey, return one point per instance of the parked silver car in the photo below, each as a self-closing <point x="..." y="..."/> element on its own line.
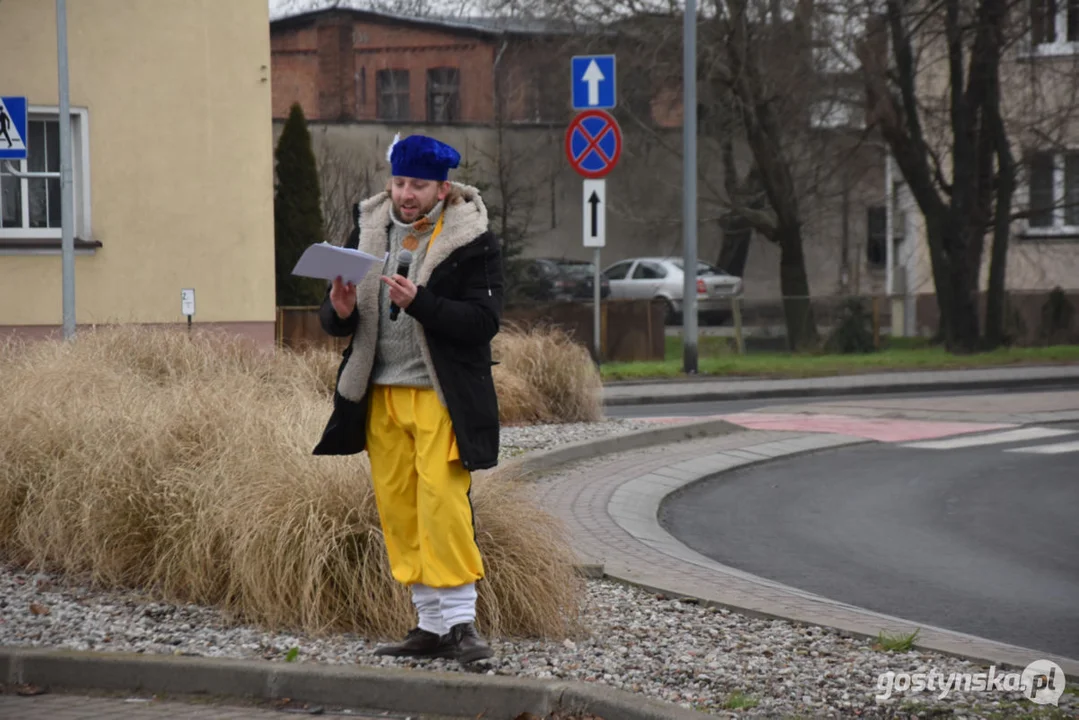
<point x="661" y="277"/>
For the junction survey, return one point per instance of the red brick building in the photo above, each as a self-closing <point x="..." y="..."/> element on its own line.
<point x="349" y="65"/>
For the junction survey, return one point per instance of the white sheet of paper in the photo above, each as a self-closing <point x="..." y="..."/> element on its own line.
<point x="326" y="262"/>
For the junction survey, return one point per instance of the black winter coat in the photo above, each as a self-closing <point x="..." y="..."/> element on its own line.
<point x="459" y="308"/>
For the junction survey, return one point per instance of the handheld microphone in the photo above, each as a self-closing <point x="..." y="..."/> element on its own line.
<point x="404" y="259"/>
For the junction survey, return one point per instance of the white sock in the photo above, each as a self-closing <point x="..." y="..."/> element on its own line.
<point x="458" y="605"/>
<point x="426" y="601"/>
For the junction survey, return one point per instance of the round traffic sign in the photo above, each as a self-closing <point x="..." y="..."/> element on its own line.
<point x="593" y="143"/>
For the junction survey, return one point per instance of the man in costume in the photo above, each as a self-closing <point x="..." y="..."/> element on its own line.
<point x="416" y="390"/>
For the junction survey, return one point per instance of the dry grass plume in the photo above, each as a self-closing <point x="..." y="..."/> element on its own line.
<point x="180" y="465"/>
<point x="544" y="376"/>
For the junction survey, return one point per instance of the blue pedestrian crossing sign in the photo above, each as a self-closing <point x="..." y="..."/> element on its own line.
<point x="12" y="128"/>
<point x="594" y="84"/>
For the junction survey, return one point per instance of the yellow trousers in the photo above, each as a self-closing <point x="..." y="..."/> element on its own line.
<point x="421" y="489"/>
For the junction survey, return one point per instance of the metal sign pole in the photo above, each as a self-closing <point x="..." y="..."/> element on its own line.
<point x="594" y="206"/>
<point x="595" y="318"/>
<point x="67" y="200"/>
<point x="689" y="189"/>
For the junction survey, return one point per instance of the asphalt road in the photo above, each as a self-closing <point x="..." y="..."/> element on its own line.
<point x="978" y="539"/>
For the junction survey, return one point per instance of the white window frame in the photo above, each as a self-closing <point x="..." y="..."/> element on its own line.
<point x="1060" y="46"/>
<point x="80" y="159"/>
<point x="1058" y="228"/>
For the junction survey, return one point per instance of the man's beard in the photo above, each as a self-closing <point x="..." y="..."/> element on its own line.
<point x="423" y="211"/>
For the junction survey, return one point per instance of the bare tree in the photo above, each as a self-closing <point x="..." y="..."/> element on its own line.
<point x="346" y="175"/>
<point x="514" y="169"/>
<point x="759" y="86"/>
<point x="938" y="98"/>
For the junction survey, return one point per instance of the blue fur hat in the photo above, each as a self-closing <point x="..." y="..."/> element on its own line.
<point x="423" y="157"/>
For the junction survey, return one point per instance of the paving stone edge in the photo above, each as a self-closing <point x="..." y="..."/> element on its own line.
<point x="395" y="690"/>
<point x="546" y="460"/>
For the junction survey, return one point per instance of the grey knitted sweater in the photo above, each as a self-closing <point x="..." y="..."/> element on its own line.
<point x="398" y="359"/>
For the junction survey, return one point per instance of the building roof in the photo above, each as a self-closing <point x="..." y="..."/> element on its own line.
<point x="483" y="25"/>
<point x="514" y="25"/>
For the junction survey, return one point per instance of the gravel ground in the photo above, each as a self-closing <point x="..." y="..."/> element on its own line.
<point x="708" y="659"/>
<point x="523" y="438"/>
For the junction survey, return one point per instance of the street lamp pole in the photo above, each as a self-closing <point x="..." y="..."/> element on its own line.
<point x="67" y="199"/>
<point x="689" y="189"/>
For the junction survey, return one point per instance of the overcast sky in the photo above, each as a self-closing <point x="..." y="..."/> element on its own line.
<point x="284" y="7"/>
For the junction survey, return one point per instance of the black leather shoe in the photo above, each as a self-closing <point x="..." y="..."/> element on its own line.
<point x="419" y="644"/>
<point x="467" y="644"/>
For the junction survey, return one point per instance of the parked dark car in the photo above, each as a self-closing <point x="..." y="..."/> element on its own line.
<point x="559" y="280"/>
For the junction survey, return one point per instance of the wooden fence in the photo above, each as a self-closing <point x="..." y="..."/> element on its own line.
<point x="629" y="330"/>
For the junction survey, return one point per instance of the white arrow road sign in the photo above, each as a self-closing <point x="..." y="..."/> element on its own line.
<point x="593" y="76"/>
<point x="593" y="82"/>
<point x="595" y="213"/>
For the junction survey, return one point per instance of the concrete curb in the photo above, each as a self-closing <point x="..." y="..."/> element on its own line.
<point x="393" y="690"/>
<point x="849" y="386"/>
<point x="546" y="460"/>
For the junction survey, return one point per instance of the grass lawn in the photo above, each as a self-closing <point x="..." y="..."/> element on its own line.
<point x="715" y="357"/>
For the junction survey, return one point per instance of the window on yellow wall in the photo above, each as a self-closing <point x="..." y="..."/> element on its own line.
<point x="443" y="95"/>
<point x="30" y="207"/>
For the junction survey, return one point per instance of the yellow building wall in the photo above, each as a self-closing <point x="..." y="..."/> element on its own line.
<point x="181" y="158"/>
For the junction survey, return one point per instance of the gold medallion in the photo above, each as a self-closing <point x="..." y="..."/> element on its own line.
<point x="422" y="224"/>
<point x="410" y="243"/>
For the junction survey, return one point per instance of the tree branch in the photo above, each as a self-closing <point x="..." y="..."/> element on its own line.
<point x="899" y="119"/>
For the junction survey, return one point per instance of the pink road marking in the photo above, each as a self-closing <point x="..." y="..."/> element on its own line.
<point x="880" y="429"/>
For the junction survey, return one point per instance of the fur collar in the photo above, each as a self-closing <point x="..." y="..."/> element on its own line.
<point x="464" y="222"/>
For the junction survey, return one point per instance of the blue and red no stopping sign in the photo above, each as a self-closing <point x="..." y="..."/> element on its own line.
<point x="593" y="143"/>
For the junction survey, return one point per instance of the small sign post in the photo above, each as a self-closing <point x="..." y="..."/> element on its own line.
<point x="595" y="236"/>
<point x="593" y="147"/>
<point x="187" y="305"/>
<point x="595" y="213"/>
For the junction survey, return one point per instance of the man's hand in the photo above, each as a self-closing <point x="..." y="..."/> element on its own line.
<point x="402" y="290"/>
<point x="343" y="298"/>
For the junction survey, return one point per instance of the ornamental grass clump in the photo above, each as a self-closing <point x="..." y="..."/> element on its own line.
<point x="181" y="465"/>
<point x="544" y="376"/>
